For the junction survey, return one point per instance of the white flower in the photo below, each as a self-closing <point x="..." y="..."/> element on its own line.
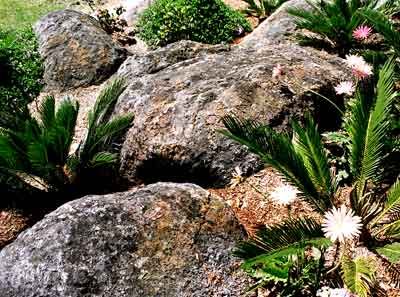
<point x="277" y="71"/>
<point x="359" y="67"/>
<point x="341" y="223"/>
<point x="284" y="194"/>
<point x="345" y="87"/>
<point x="329" y="292"/>
<point x="237" y="177"/>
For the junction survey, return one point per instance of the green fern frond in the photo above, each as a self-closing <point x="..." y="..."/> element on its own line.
<point x="391" y="211"/>
<point x="391" y="251"/>
<point x="359" y="274"/>
<point x="384" y="26"/>
<point x="278" y="151"/>
<point x="308" y="143"/>
<point x="103" y="159"/>
<point x="367" y="127"/>
<point x="272" y="238"/>
<point x="47" y="112"/>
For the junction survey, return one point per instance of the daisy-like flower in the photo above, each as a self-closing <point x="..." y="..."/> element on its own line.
<point x="341" y="223"/>
<point x="284" y="194"/>
<point x="345" y="87"/>
<point x="338" y="292"/>
<point x="362" y="32"/>
<point x="277" y="71"/>
<point x="237" y="177"/>
<point x="359" y="67"/>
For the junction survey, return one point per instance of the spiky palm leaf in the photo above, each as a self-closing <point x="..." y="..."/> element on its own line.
<point x="102" y="131"/>
<point x="262" y="8"/>
<point x="359" y="274"/>
<point x="367" y="127"/>
<point x="384" y="26"/>
<point x="267" y="255"/>
<point x="272" y="238"/>
<point x="333" y="21"/>
<point x="308" y="143"/>
<point x="278" y="151"/>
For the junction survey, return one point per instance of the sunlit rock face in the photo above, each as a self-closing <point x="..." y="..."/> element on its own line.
<point x="165" y="239"/>
<point x="76" y="50"/>
<point x="179" y="94"/>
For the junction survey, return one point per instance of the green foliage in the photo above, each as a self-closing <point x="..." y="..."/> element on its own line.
<point x="263" y="8"/>
<point x="20" y="75"/>
<point x="333" y="22"/>
<point x="206" y="21"/>
<point x="302" y="162"/>
<point x="38" y="152"/>
<point x="301" y="159"/>
<point x="16" y="14"/>
<point x="306" y="273"/>
<point x="391" y="251"/>
<point x="359" y="274"/>
<point x="367" y="127"/>
<point x="383" y="25"/>
<point x="267" y="255"/>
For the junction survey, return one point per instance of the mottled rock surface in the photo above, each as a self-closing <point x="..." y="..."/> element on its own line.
<point x="162" y="240"/>
<point x="76" y="50"/>
<point x="279" y="27"/>
<point x="179" y="94"/>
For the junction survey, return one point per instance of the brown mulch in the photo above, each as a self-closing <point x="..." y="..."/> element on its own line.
<point x="11" y="224"/>
<point x="252" y="206"/>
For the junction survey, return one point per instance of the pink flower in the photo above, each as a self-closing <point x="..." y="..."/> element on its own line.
<point x="359" y="67"/>
<point x="362" y="32"/>
<point x="345" y="87"/>
<point x="277" y="71"/>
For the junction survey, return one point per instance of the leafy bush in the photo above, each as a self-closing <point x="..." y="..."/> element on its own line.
<point x="38" y="152"/>
<point x="302" y="161"/>
<point x="21" y="74"/>
<point x="263" y="8"/>
<point x="207" y="21"/>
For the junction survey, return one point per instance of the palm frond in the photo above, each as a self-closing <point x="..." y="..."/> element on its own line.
<point x="47" y="112"/>
<point x="391" y="211"/>
<point x="277" y="150"/>
<point x="272" y="238"/>
<point x="102" y="159"/>
<point x="308" y="143"/>
<point x="367" y="128"/>
<point x="359" y="274"/>
<point x="384" y="26"/>
<point x="391" y="251"/>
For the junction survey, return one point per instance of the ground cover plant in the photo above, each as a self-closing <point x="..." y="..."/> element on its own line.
<point x="16" y="14"/>
<point x="206" y="21"/>
<point x="363" y="214"/>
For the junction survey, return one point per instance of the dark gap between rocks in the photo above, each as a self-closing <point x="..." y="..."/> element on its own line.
<point x="160" y="169"/>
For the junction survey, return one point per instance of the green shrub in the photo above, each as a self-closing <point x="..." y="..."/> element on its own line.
<point x="21" y="74"/>
<point x="206" y="21"/>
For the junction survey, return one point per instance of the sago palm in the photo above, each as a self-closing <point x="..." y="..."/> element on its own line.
<point x="263" y="8"/>
<point x="301" y="160"/>
<point x="333" y="22"/>
<point x="39" y="151"/>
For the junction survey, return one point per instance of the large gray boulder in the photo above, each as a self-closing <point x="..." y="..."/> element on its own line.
<point x="76" y="50"/>
<point x="178" y="95"/>
<point x="172" y="240"/>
